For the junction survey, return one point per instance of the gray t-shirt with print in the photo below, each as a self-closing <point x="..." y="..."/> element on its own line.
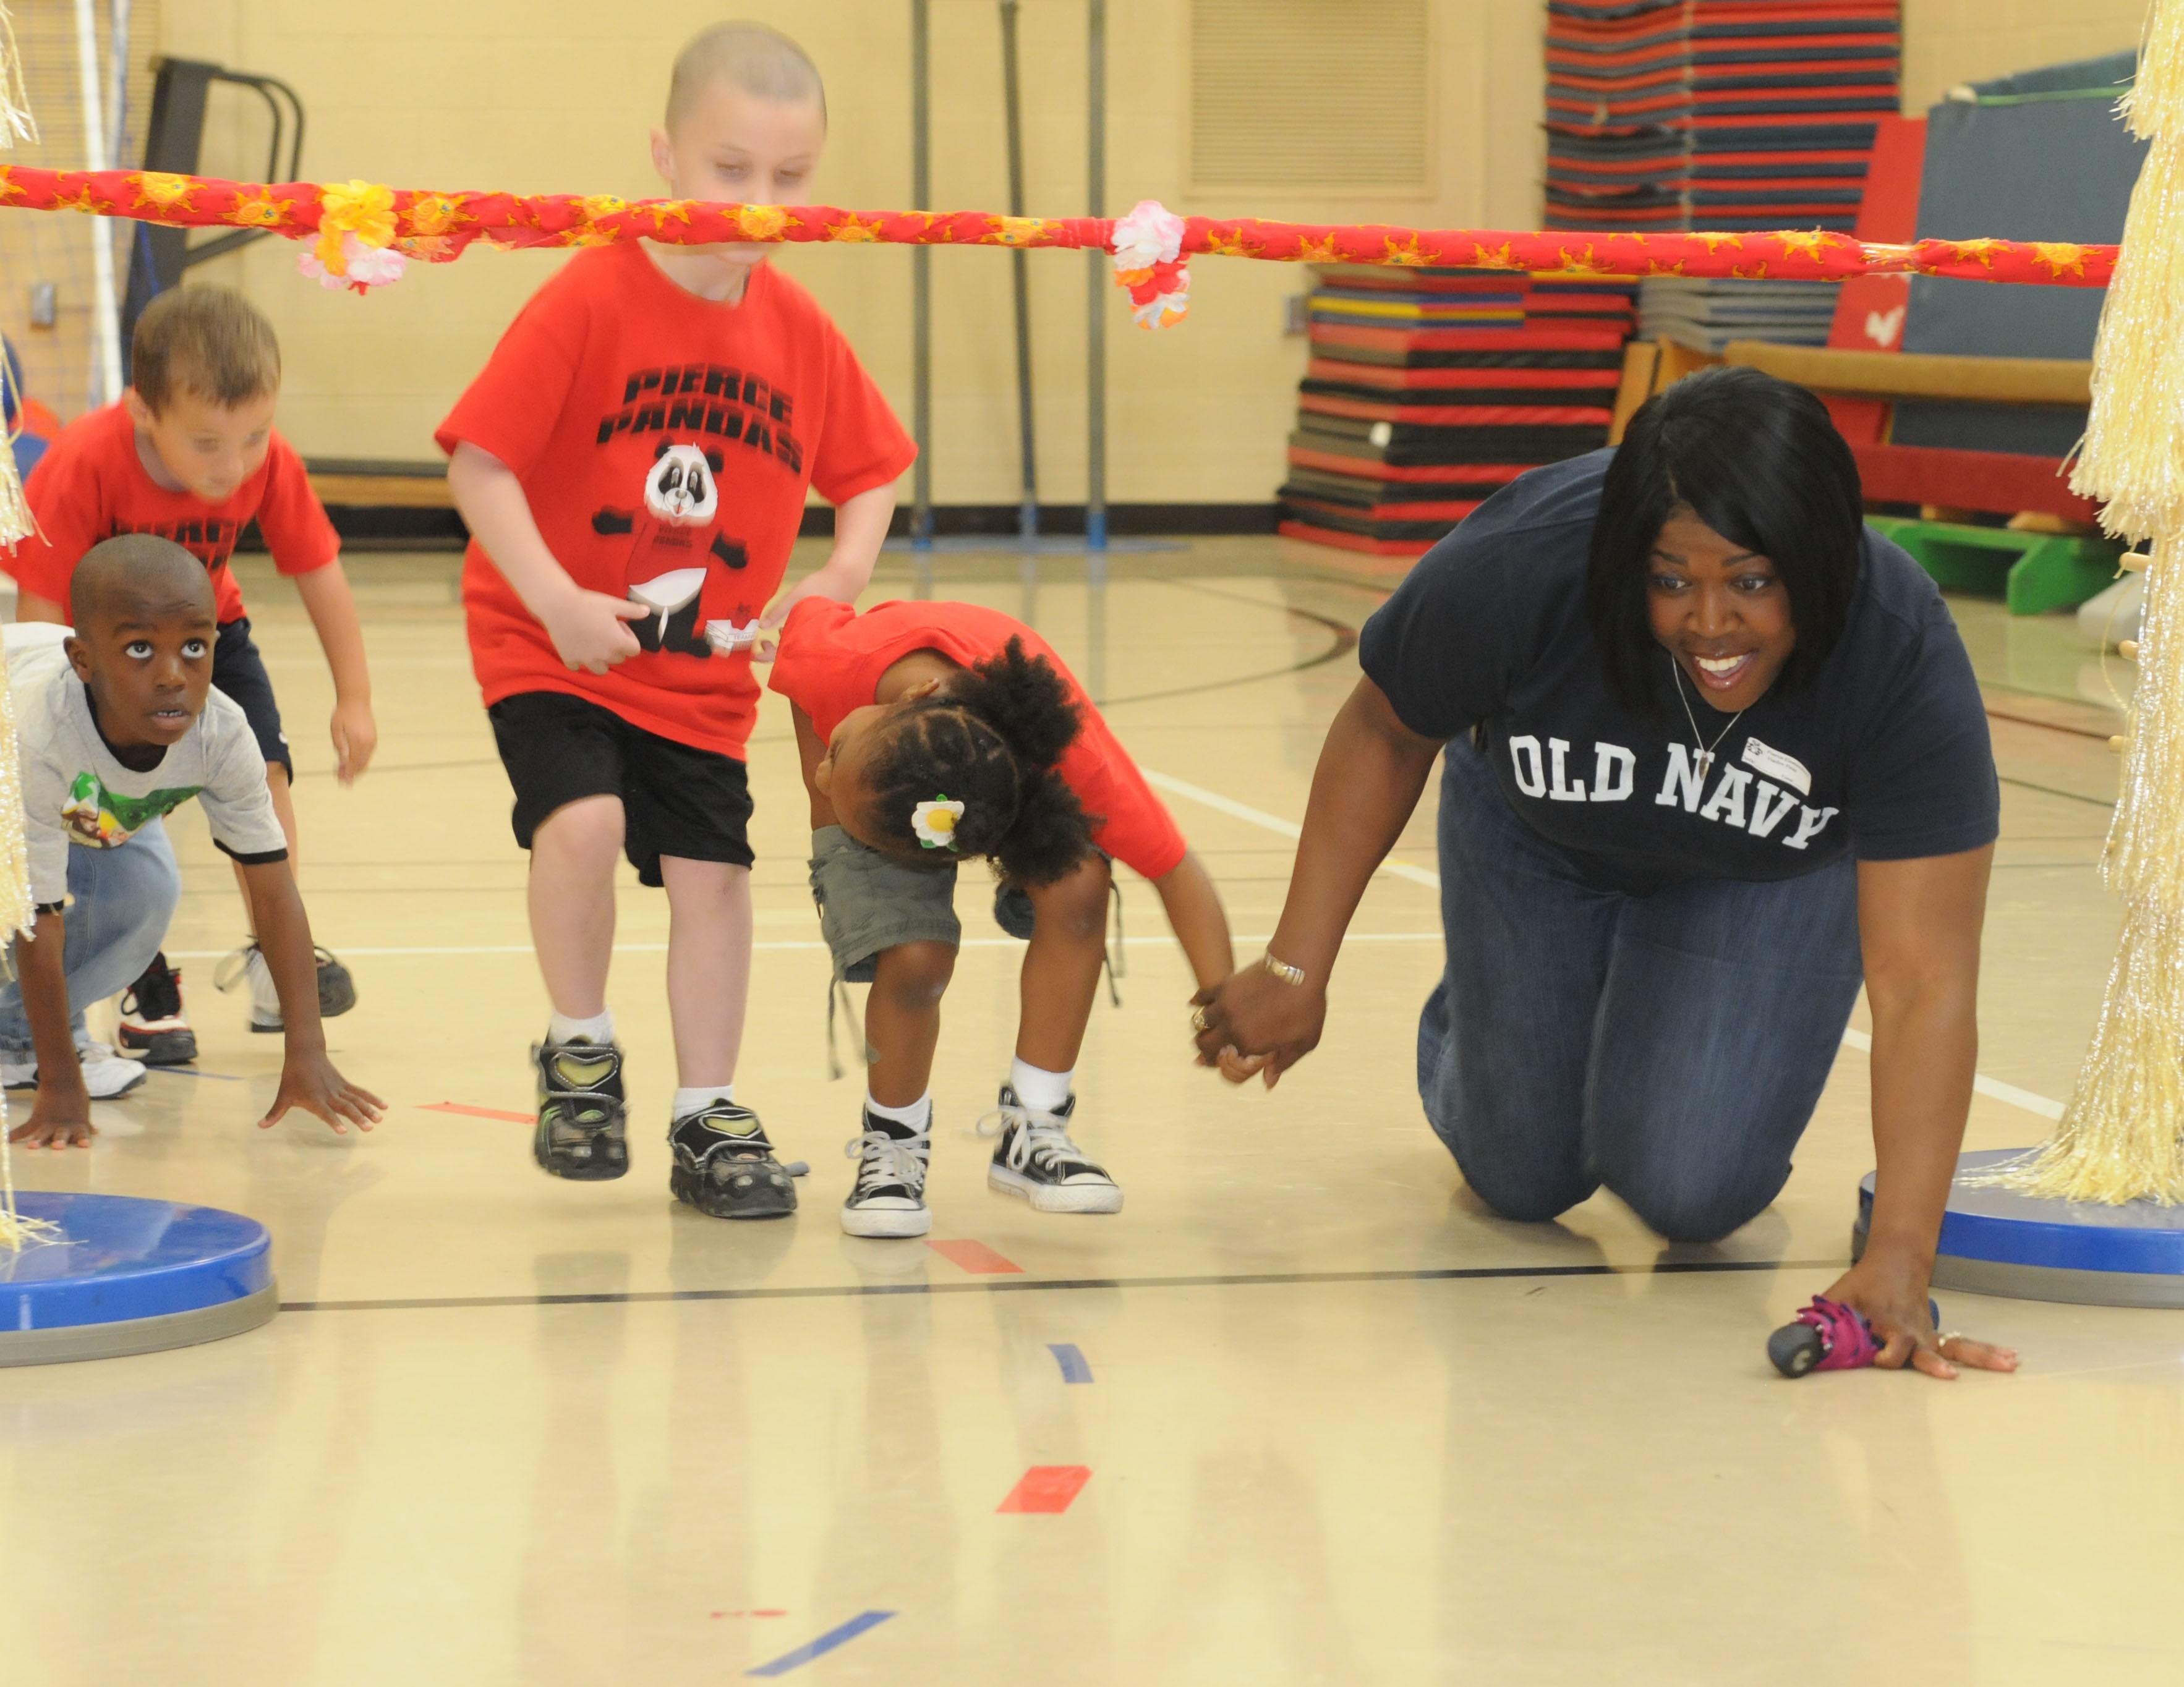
<point x="75" y="792"/>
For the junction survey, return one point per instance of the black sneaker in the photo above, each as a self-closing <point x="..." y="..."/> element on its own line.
<point x="1035" y="1158"/>
<point x="724" y="1167"/>
<point x="888" y="1198"/>
<point x="337" y="989"/>
<point x="153" y="1028"/>
<point x="581" y="1111"/>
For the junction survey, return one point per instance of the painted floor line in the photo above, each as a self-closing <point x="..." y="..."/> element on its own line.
<point x="2027" y="1099"/>
<point x="975" y="1257"/>
<point x="192" y="1071"/>
<point x="475" y="1112"/>
<point x="826" y="1643"/>
<point x="995" y="1285"/>
<point x="1395" y="865"/>
<point x="1067" y="1355"/>
<point x="1046" y="1488"/>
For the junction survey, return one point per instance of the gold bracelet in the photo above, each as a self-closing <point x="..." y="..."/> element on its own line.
<point x="1291" y="976"/>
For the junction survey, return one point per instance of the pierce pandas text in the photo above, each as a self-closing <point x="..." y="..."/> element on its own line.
<point x="711" y="399"/>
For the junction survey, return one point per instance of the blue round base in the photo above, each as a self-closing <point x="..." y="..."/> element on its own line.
<point x="131" y="1276"/>
<point x="1998" y="1242"/>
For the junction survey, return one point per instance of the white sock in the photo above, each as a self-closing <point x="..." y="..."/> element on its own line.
<point x="690" y="1101"/>
<point x="1042" y="1091"/>
<point x="916" y="1117"/>
<point x="598" y="1028"/>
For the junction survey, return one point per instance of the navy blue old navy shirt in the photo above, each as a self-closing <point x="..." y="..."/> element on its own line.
<point x="1883" y="753"/>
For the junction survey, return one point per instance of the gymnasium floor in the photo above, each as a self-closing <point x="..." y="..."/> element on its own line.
<point x="1340" y="1427"/>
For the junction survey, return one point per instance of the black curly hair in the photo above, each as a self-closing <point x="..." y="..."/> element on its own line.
<point x="990" y="739"/>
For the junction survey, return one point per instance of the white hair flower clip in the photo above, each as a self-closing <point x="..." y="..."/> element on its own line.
<point x="934" y="822"/>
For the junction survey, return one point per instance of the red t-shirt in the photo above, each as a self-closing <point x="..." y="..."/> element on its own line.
<point x="665" y="443"/>
<point x="91" y="485"/>
<point x="831" y="659"/>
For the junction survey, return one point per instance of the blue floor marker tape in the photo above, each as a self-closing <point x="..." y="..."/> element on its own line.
<point x="1073" y="1367"/>
<point x="192" y="1071"/>
<point x="826" y="1643"/>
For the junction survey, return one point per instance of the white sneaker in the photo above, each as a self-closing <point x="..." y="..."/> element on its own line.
<point x="889" y="1196"/>
<point x="336" y="988"/>
<point x="105" y="1073"/>
<point x="247" y="963"/>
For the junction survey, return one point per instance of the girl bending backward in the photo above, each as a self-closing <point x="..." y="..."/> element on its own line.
<point x="933" y="732"/>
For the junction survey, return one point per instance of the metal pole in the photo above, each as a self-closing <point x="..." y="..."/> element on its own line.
<point x="106" y="381"/>
<point x="1020" y="262"/>
<point x="1096" y="285"/>
<point x="921" y="277"/>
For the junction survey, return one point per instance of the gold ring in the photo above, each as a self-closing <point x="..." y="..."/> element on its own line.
<point x="1198" y="1020"/>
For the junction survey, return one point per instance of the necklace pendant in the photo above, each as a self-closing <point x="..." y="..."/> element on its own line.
<point x="1706" y="765"/>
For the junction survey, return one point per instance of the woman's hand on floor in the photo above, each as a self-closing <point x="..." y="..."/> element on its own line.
<point x="1254" y="1022"/>
<point x="1891" y="1292"/>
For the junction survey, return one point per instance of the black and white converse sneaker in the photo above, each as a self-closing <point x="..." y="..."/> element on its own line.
<point x="153" y="1028"/>
<point x="582" y="1114"/>
<point x="724" y="1165"/>
<point x="1035" y="1158"/>
<point x="889" y="1196"/>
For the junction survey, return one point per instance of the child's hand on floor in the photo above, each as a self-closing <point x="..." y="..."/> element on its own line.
<point x="356" y="735"/>
<point x="311" y="1082"/>
<point x="56" y="1122"/>
<point x="589" y="630"/>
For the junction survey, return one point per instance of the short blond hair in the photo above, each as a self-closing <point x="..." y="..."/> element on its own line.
<point x="758" y="60"/>
<point x="211" y="343"/>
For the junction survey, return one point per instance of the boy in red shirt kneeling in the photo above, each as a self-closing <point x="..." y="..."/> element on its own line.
<point x="932" y="732"/>
<point x="632" y="463"/>
<point x="189" y="454"/>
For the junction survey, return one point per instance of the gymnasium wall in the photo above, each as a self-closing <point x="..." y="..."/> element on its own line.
<point x="546" y="95"/>
<point x="558" y="95"/>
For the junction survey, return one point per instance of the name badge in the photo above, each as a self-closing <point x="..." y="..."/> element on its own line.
<point x="1786" y="770"/>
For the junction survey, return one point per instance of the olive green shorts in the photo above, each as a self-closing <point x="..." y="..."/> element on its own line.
<point x="868" y="902"/>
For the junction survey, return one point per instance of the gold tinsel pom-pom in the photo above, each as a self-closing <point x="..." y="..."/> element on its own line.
<point x="2121" y="1138"/>
<point x="16" y="123"/>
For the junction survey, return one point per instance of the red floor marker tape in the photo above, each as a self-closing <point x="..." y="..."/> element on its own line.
<point x="1047" y="1487"/>
<point x="975" y="1257"/>
<point x="474" y="1112"/>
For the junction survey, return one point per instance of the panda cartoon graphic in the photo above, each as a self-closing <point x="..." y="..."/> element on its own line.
<point x="674" y="541"/>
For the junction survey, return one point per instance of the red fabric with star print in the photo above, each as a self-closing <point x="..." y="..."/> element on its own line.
<point x="665" y="443"/>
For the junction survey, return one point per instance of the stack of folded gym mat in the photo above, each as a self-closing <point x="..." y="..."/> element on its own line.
<point x="1727" y="114"/>
<point x="1430" y="389"/>
<point x="1707" y="315"/>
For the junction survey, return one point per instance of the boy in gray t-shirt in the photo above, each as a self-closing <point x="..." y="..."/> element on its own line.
<point x="118" y="725"/>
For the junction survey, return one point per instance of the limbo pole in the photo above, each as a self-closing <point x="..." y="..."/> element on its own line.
<point x="921" y="275"/>
<point x="1020" y="278"/>
<point x="1096" y="286"/>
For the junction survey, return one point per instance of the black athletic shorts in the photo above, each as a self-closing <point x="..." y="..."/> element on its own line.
<point x="677" y="799"/>
<point x="238" y="671"/>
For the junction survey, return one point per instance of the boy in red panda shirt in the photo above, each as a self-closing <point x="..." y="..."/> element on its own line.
<point x="632" y="463"/>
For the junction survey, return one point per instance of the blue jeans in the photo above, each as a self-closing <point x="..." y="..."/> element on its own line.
<point x="121" y="901"/>
<point x="1670" y="1048"/>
